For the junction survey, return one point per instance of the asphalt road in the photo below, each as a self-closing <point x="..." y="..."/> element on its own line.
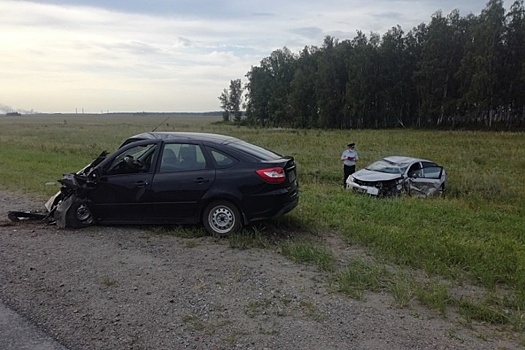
<point x="17" y="333"/>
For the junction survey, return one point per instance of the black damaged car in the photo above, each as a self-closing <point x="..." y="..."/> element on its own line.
<point x="179" y="178"/>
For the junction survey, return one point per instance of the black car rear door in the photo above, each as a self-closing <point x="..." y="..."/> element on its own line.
<point x="184" y="175"/>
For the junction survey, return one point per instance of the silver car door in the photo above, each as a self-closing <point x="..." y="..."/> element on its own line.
<point x="426" y="181"/>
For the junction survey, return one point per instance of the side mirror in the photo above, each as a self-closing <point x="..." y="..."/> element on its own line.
<point x="94" y="175"/>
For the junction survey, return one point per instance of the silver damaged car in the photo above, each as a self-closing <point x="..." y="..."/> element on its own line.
<point x="398" y="175"/>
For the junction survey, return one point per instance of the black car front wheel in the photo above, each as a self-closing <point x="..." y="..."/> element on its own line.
<point x="221" y="218"/>
<point x="79" y="215"/>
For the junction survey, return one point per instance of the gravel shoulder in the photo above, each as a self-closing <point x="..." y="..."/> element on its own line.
<point x="130" y="288"/>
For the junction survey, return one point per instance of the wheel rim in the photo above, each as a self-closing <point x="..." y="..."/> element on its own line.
<point x="221" y="219"/>
<point x="83" y="213"/>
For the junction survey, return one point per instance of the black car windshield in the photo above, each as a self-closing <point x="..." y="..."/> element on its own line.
<point x="256" y="151"/>
<point x="385" y="166"/>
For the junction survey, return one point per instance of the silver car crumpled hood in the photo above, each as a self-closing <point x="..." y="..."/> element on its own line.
<point x="374" y="176"/>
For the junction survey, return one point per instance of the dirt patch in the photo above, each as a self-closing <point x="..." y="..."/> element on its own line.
<point x="131" y="288"/>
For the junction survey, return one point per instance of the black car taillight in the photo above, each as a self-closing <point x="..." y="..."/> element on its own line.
<point x="274" y="175"/>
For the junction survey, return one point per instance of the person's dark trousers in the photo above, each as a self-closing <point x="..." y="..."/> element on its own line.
<point x="349" y="170"/>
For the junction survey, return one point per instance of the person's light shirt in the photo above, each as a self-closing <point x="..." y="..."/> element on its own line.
<point x="349" y="153"/>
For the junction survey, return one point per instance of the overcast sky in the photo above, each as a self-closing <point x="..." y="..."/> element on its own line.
<point x="170" y="55"/>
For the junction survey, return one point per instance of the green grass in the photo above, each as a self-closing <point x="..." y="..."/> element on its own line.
<point x="308" y="252"/>
<point x="474" y="235"/>
<point x="434" y="295"/>
<point x="360" y="276"/>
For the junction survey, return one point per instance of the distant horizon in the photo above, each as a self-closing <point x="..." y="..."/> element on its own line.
<point x="14" y="113"/>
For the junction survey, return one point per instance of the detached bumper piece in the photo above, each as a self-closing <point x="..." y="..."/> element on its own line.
<point x="17" y="216"/>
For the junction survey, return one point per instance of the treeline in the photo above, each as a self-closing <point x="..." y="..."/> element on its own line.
<point x="455" y="72"/>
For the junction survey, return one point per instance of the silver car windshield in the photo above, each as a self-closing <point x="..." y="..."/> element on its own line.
<point x="385" y="166"/>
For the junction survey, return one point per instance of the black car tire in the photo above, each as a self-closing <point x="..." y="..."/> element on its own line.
<point x="221" y="218"/>
<point x="441" y="191"/>
<point x="79" y="215"/>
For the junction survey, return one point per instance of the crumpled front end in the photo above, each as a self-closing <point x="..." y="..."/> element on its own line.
<point x="388" y="188"/>
<point x="70" y="207"/>
<point x="351" y="184"/>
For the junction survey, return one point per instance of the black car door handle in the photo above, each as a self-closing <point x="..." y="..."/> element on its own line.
<point x="201" y="180"/>
<point x="141" y="184"/>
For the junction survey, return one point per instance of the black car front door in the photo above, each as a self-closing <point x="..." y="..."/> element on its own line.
<point x="123" y="185"/>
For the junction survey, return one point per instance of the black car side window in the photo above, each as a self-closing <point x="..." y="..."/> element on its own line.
<point x="134" y="160"/>
<point x="177" y="157"/>
<point x="222" y="160"/>
<point x="191" y="158"/>
<point x="169" y="161"/>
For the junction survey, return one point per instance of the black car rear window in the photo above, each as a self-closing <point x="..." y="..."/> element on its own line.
<point x="254" y="150"/>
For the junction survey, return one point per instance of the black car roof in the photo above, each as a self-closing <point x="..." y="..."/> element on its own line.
<point x="190" y="136"/>
<point x="251" y="149"/>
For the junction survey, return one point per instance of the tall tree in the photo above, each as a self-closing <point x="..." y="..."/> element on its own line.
<point x="258" y="89"/>
<point x="361" y="87"/>
<point x="235" y="100"/>
<point x="268" y="89"/>
<point x="225" y="104"/>
<point x="412" y="55"/>
<point x="231" y="101"/>
<point x="301" y="99"/>
<point x="331" y="84"/>
<point x="441" y="56"/>
<point x="480" y="67"/>
<point x="514" y="66"/>
<point x="396" y="72"/>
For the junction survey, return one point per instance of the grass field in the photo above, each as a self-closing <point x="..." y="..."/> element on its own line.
<point x="475" y="235"/>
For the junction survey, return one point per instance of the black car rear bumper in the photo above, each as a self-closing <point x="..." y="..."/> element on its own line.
<point x="270" y="205"/>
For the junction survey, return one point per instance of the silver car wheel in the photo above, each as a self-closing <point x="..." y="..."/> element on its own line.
<point x="221" y="219"/>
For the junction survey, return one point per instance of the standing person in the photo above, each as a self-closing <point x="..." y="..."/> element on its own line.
<point x="349" y="158"/>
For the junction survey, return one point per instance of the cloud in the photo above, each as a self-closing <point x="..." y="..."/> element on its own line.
<point x="166" y="55"/>
<point x="308" y="32"/>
